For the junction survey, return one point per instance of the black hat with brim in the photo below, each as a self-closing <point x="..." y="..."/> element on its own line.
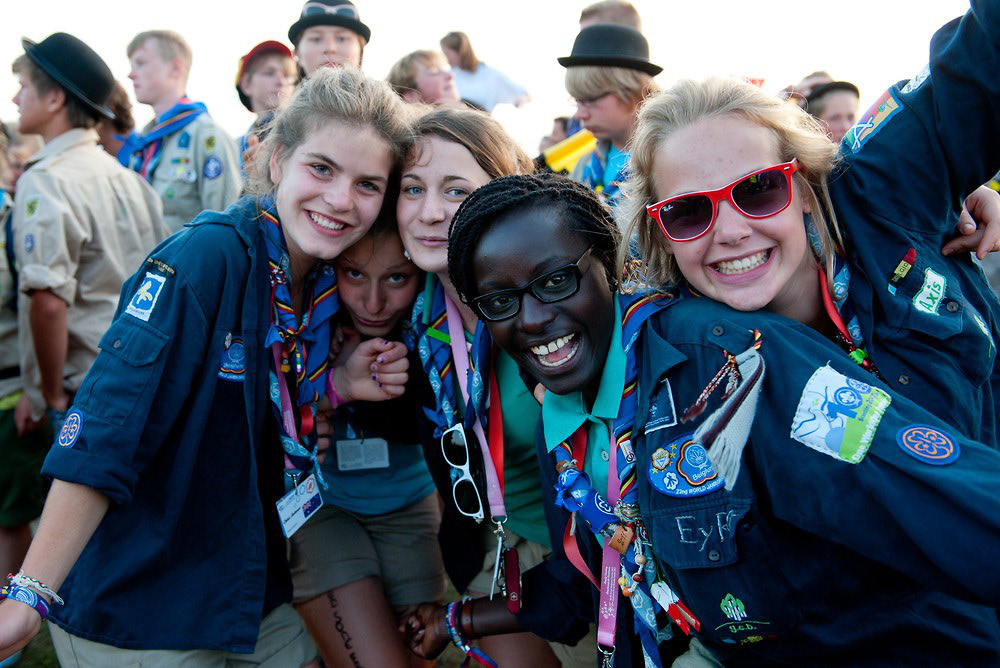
<point x="820" y="91"/>
<point x="610" y="45"/>
<point x="76" y="67"/>
<point x="329" y="13"/>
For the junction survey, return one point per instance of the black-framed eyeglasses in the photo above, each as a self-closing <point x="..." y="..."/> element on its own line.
<point x="455" y="448"/>
<point x="556" y="285"/>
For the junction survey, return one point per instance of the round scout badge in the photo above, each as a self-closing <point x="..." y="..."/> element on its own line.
<point x="682" y="469"/>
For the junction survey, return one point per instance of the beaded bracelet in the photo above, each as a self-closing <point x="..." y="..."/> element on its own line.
<point x="454" y="627"/>
<point x="22" y="580"/>
<point x="26" y="596"/>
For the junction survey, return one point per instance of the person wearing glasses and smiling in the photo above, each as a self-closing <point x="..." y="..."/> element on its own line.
<point x="608" y="74"/>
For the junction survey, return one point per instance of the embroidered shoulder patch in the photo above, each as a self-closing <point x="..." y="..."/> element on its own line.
<point x="31" y="206"/>
<point x="184" y="141"/>
<point x="142" y="303"/>
<point x="929" y="445"/>
<point x="838" y="415"/>
<point x="873" y="120"/>
<point x="212" y="169"/>
<point x="928" y="299"/>
<point x="71" y="429"/>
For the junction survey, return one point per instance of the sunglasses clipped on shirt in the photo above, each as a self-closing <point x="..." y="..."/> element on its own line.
<point x="455" y="448"/>
<point x="761" y="194"/>
<point x="554" y="286"/>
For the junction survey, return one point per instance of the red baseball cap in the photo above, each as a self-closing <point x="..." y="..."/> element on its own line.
<point x="267" y="47"/>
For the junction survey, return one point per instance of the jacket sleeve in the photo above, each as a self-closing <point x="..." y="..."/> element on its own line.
<point x="926" y="143"/>
<point x="219" y="176"/>
<point x="138" y="386"/>
<point x="842" y="456"/>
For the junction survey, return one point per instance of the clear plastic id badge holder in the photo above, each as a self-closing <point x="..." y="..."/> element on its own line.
<point x="298" y="505"/>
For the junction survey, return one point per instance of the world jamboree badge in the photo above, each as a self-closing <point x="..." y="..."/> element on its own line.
<point x="682" y="469"/>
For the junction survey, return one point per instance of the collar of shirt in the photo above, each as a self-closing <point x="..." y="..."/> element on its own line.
<point x="563" y="414"/>
<point x="63" y="143"/>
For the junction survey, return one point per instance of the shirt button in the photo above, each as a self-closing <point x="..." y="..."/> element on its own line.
<point x="714" y="555"/>
<point x="117" y="343"/>
<point x="904" y="379"/>
<point x="718" y="330"/>
<point x="604" y="455"/>
<point x="951" y="306"/>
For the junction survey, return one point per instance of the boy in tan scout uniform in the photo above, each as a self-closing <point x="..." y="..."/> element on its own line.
<point x="82" y="223"/>
<point x="182" y="152"/>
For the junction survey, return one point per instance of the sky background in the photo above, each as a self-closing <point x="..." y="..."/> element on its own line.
<point x="873" y="44"/>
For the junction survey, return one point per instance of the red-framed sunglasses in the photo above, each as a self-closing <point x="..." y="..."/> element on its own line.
<point x="761" y="194"/>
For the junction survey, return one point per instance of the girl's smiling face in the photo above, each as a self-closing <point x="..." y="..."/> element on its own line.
<point x="519" y="247"/>
<point x="432" y="187"/>
<point x="746" y="263"/>
<point x="377" y="285"/>
<point x="329" y="190"/>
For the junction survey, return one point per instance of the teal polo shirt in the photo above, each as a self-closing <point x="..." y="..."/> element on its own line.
<point x="562" y="414"/>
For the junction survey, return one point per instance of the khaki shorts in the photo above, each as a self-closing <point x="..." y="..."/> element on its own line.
<point x="530" y="554"/>
<point x="282" y="643"/>
<point x="337" y="547"/>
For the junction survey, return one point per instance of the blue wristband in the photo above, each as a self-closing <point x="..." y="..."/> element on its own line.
<point x="26" y="596"/>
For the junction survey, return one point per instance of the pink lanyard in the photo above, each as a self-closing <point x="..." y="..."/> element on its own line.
<point x="460" y="357"/>
<point x="611" y="566"/>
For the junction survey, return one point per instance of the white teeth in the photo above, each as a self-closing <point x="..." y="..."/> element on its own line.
<point x="552" y="346"/>
<point x="325" y="222"/>
<point x="743" y="265"/>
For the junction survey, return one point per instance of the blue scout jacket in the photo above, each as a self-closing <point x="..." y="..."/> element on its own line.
<point x="860" y="530"/>
<point x="907" y="165"/>
<point x="168" y="424"/>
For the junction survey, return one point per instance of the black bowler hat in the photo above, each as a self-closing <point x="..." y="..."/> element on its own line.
<point x="74" y="66"/>
<point x="820" y="91"/>
<point x="611" y="45"/>
<point x="341" y="13"/>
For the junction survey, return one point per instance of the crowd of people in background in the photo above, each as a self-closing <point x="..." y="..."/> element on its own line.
<point x="711" y="380"/>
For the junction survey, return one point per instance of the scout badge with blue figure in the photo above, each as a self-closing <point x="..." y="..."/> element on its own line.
<point x="621" y="523"/>
<point x="289" y="341"/>
<point x="141" y="151"/>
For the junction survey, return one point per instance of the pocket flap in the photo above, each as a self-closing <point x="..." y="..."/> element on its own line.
<point x="133" y="342"/>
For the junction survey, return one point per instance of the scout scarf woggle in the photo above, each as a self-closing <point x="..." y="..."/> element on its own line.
<point x="141" y="152"/>
<point x="298" y="378"/>
<point x="621" y="524"/>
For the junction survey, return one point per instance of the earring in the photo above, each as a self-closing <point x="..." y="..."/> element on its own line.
<point x="406" y="254"/>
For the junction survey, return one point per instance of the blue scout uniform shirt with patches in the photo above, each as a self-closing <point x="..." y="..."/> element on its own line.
<point x="168" y="424"/>
<point x="563" y="414"/>
<point x="860" y="530"/>
<point x="907" y="165"/>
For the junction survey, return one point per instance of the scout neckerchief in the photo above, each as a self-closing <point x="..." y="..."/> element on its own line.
<point x="433" y="342"/>
<point x="141" y="152"/>
<point x="619" y="522"/>
<point x="298" y="380"/>
<point x="7" y="218"/>
<point x="593" y="178"/>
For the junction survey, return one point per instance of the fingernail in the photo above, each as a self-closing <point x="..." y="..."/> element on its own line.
<point x="374" y="367"/>
<point x="374" y="377"/>
<point x="380" y="360"/>
<point x="380" y="385"/>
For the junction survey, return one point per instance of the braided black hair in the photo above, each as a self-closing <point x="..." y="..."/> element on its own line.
<point x="585" y="215"/>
